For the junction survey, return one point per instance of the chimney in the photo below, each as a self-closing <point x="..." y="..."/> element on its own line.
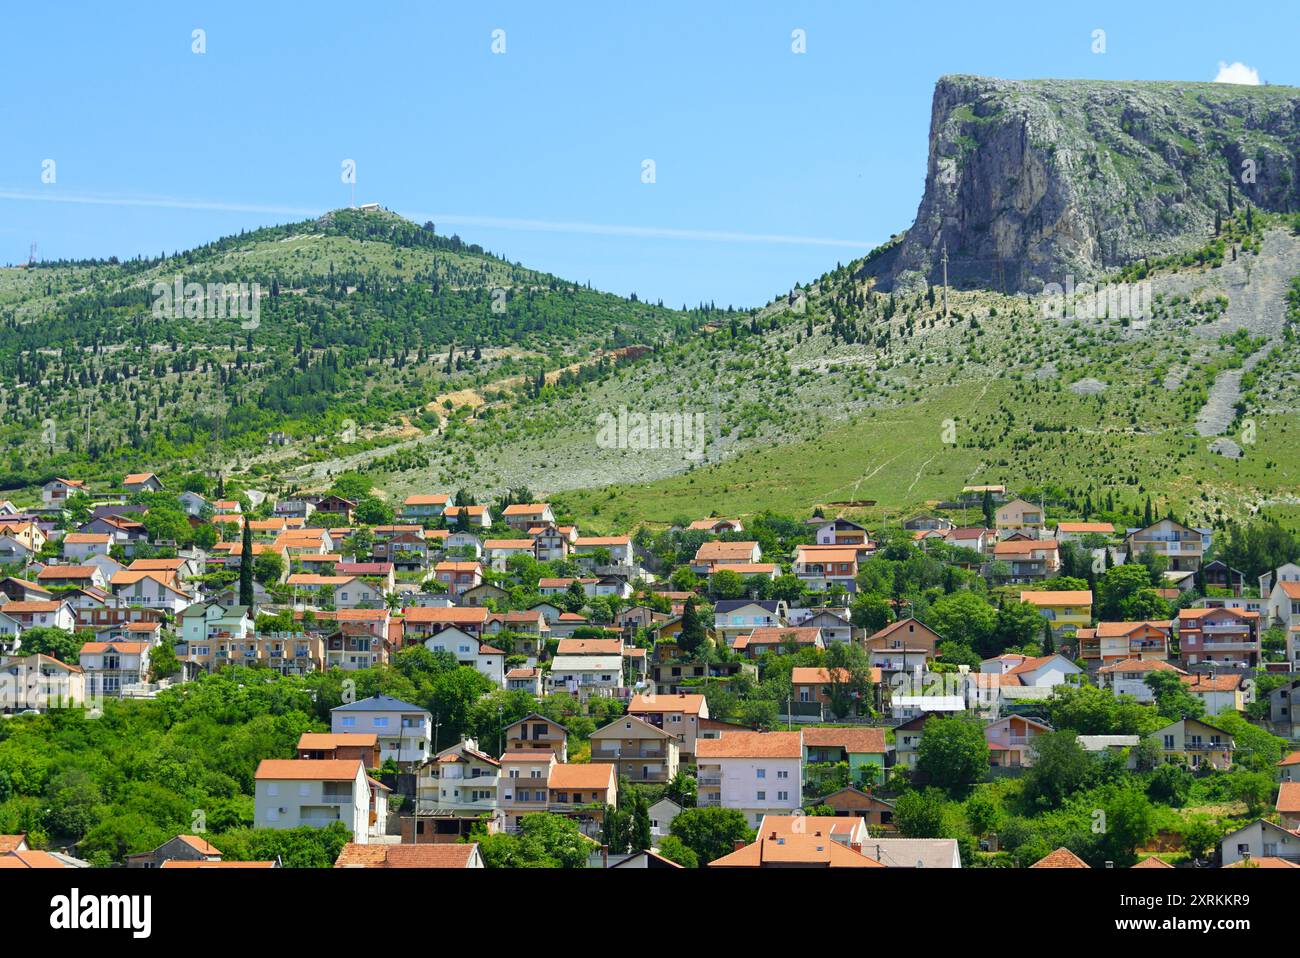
<point x="737" y="845"/>
<point x="604" y="856"/>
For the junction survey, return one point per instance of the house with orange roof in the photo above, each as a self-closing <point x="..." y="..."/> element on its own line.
<point x="679" y="715"/>
<point x="1112" y="642"/>
<point x="42" y="613"/>
<point x="813" y="689"/>
<point x="499" y="551"/>
<point x="471" y="516"/>
<point x="552" y="543"/>
<point x="58" y="491"/>
<point x="524" y="679"/>
<point x="589" y="549"/>
<point x="422" y="622"/>
<point x="1259" y="840"/>
<point x="424" y="507"/>
<point x="142" y="482"/>
<point x="641" y="752"/>
<point x="81" y="576"/>
<point x="34" y="858"/>
<point x="822" y="567"/>
<point x="296" y="793"/>
<point x="1061" y="858"/>
<point x="41" y="682"/>
<point x="1076" y="531"/>
<point x="1129" y="677"/>
<point x="81" y="545"/>
<point x="20" y="542"/>
<point x="1019" y="516"/>
<point x="1284" y="604"/>
<point x="461" y="780"/>
<point x="329" y="746"/>
<point x="523" y="788"/>
<point x="1288" y="805"/>
<point x="458" y="577"/>
<point x="182" y="848"/>
<point x="1225" y="691"/>
<point x="1290" y="767"/>
<point x="452" y="856"/>
<point x="903" y="645"/>
<point x="1221" y="637"/>
<point x="582" y="791"/>
<point x="405" y="731"/>
<point x="760" y="641"/>
<point x="112" y="668"/>
<point x="1028" y="559"/>
<point x="717" y="526"/>
<point x="472" y="651"/>
<point x="151" y="590"/>
<point x="758" y="773"/>
<point x="524" y="515"/>
<point x="862" y="747"/>
<point x="1010" y="740"/>
<point x="1067" y="610"/>
<point x="802" y="842"/>
<point x="711" y="555"/>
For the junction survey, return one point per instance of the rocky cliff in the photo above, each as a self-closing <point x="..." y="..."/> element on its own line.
<point x="1028" y="181"/>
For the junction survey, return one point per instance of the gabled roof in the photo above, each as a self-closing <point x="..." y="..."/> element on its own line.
<point x="1153" y="862"/>
<point x="308" y="770"/>
<point x="583" y="777"/>
<point x="379" y="703"/>
<point x="750" y="745"/>
<point x="854" y="740"/>
<point x="1061" y="858"/>
<point x="815" y="848"/>
<point x="1064" y="597"/>
<point x="1288" y="798"/>
<point x="406" y="856"/>
<point x="681" y="702"/>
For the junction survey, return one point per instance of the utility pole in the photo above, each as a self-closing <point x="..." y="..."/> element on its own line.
<point x="945" y="279"/>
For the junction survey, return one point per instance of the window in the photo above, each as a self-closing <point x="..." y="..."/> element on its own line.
<point x="762" y="796"/>
<point x="760" y="772"/>
<point x="783" y="796"/>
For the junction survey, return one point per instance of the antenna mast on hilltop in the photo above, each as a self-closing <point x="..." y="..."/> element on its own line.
<point x="31" y="257"/>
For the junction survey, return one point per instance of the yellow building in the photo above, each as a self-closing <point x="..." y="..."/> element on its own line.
<point x="1067" y="611"/>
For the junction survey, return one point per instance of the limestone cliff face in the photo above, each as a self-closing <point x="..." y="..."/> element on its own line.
<point x="1028" y="181"/>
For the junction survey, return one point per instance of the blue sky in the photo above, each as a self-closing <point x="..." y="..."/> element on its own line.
<point x="770" y="166"/>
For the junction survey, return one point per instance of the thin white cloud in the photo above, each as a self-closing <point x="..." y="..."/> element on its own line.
<point x="1237" y="72"/>
<point x="448" y="219"/>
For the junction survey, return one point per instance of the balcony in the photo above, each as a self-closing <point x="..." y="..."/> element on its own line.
<point x="708" y="801"/>
<point x="1243" y="648"/>
<point x="1204" y="746"/>
<point x="613" y="754"/>
<point x="708" y="778"/>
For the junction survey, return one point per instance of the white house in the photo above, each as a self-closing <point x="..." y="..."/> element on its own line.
<point x="291" y="793"/>
<point x="151" y="590"/>
<point x="1259" y="839"/>
<point x="204" y="621"/>
<point x="110" y="667"/>
<point x="586" y="675"/>
<point x="468" y="650"/>
<point x="759" y="773"/>
<point x="405" y="731"/>
<point x="78" y="546"/>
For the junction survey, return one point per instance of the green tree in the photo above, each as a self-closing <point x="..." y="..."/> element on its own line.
<point x="710" y="832"/>
<point x="246" y="568"/>
<point x="56" y="643"/>
<point x="1061" y="768"/>
<point x="922" y="814"/>
<point x="674" y="849"/>
<point x="953" y="754"/>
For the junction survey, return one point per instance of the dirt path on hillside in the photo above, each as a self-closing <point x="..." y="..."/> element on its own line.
<point x="1257" y="302"/>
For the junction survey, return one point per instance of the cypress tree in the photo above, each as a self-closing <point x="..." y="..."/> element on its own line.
<point x="246" y="567"/>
